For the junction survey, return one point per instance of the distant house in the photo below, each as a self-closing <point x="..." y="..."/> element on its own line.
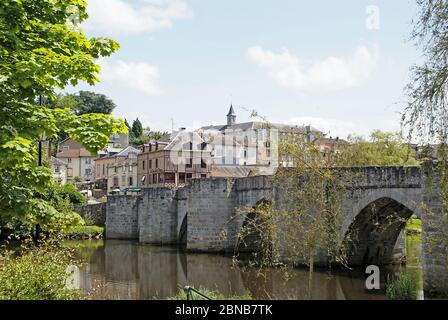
<point x="249" y="144"/>
<point x="80" y="163"/>
<point x="122" y="173"/>
<point x="119" y="140"/>
<point x="173" y="160"/>
<point x="115" y="159"/>
<point x="59" y="169"/>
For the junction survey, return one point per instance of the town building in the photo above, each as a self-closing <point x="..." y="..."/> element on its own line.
<point x="119" y="140"/>
<point x="173" y="160"/>
<point x="80" y="162"/>
<point x="114" y="158"/>
<point x="253" y="144"/>
<point x="59" y="169"/>
<point x="122" y="174"/>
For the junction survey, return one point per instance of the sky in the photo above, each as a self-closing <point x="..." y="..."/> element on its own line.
<point x="340" y="66"/>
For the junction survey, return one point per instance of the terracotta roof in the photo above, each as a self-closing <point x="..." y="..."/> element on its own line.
<point x="73" y="153"/>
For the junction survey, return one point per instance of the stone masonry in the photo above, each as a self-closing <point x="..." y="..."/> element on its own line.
<point x="202" y="216"/>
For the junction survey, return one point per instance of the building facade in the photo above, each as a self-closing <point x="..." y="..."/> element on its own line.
<point x="122" y="174"/>
<point x="80" y="162"/>
<point x="59" y="169"/>
<point x="116" y="159"/>
<point x="173" y="160"/>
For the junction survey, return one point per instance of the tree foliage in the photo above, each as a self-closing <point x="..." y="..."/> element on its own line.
<point x="382" y="149"/>
<point x="427" y="113"/>
<point x="85" y="102"/>
<point x="137" y="128"/>
<point x="41" y="52"/>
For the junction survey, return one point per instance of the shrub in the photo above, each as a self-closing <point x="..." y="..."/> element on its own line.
<point x="404" y="287"/>
<point x="36" y="273"/>
<point x="70" y="191"/>
<point x="84" y="232"/>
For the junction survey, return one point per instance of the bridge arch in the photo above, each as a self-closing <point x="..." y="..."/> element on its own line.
<point x="250" y="234"/>
<point x="373" y="231"/>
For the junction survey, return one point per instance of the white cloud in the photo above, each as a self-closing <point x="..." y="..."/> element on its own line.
<point x="133" y="75"/>
<point x="121" y="16"/>
<point x="330" y="73"/>
<point x="331" y="127"/>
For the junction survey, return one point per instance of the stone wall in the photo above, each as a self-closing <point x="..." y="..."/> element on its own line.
<point x="209" y="208"/>
<point x="122" y="217"/>
<point x="435" y="239"/>
<point x="157" y="218"/>
<point x="211" y="204"/>
<point x="94" y="214"/>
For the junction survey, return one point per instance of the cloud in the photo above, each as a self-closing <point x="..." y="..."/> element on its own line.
<point x="331" y="73"/>
<point x="120" y="16"/>
<point x="331" y="127"/>
<point x="133" y="75"/>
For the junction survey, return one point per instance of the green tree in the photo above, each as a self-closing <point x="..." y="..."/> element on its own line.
<point x="382" y="149"/>
<point x="39" y="53"/>
<point x="137" y="128"/>
<point x="86" y="102"/>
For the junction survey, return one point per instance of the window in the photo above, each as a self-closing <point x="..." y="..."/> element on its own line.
<point x="189" y="163"/>
<point x="170" y="177"/>
<point x="115" y="181"/>
<point x="181" y="177"/>
<point x="69" y="160"/>
<point x="123" y="168"/>
<point x="115" y="169"/>
<point x="131" y="167"/>
<point x="104" y="169"/>
<point x="88" y="172"/>
<point x="157" y="163"/>
<point x="203" y="164"/>
<point x="69" y="172"/>
<point x="88" y="160"/>
<point x="150" y="164"/>
<point x="154" y="178"/>
<point x="131" y="181"/>
<point x="245" y="153"/>
<point x="57" y="169"/>
<point x="143" y="164"/>
<point x="203" y="176"/>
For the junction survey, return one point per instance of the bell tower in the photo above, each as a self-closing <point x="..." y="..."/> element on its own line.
<point x="231" y="117"/>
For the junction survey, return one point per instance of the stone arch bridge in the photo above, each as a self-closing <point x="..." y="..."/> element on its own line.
<point x="198" y="216"/>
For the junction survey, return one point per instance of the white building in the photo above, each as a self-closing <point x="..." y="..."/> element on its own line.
<point x="59" y="169"/>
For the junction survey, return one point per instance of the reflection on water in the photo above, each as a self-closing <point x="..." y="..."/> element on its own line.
<point x="129" y="270"/>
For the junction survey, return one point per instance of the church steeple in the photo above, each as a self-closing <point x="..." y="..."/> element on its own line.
<point x="231" y="117"/>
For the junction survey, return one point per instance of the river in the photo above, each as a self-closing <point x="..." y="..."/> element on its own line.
<point x="129" y="270"/>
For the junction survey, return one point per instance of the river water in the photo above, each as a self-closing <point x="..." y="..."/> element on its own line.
<point x="129" y="270"/>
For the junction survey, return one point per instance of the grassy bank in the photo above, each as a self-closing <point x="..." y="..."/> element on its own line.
<point x="37" y="273"/>
<point x="84" y="233"/>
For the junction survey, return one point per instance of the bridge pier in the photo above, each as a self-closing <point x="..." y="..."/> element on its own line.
<point x="203" y="216"/>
